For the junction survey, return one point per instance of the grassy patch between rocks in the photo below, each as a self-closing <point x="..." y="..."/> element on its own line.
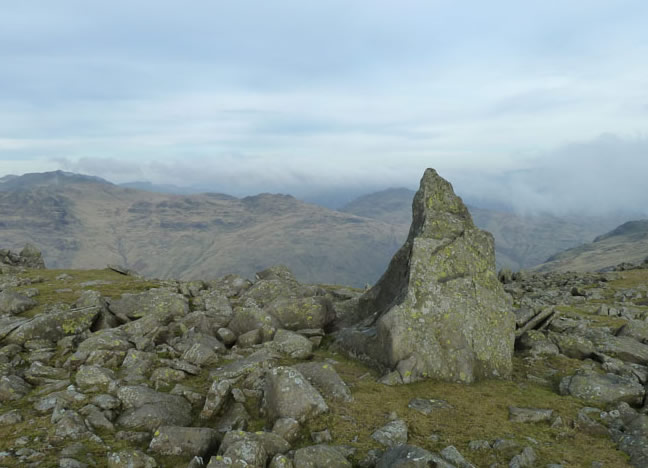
<point x="480" y="413"/>
<point x="66" y="291"/>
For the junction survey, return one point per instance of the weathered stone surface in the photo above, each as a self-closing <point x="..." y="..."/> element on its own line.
<point x="293" y="344"/>
<point x="130" y="459"/>
<point x="96" y="419"/>
<point x="216" y="399"/>
<point x="529" y="415"/>
<point x="245" y="366"/>
<point x="13" y="388"/>
<point x="536" y="344"/>
<point x="603" y="389"/>
<point x="38" y="373"/>
<point x="621" y="347"/>
<point x="439" y="305"/>
<point x="281" y="461"/>
<point x="299" y="313"/>
<point x="573" y="346"/>
<point x="161" y="303"/>
<point x="71" y="426"/>
<point x="273" y="444"/>
<point x="186" y="441"/>
<point x="106" y="319"/>
<point x="427" y="406"/>
<point x="53" y="325"/>
<point x="146" y="409"/>
<point x="287" y="428"/>
<point x="242" y="450"/>
<point x="89" y="376"/>
<point x="112" y="339"/>
<point x="28" y="257"/>
<point x="251" y="317"/>
<point x="635" y="329"/>
<point x="452" y="455"/>
<point x="288" y="394"/>
<point x="406" y="456"/>
<point x="324" y="378"/>
<point x="13" y="303"/>
<point x="10" y="417"/>
<point x="320" y="456"/>
<point x="391" y="434"/>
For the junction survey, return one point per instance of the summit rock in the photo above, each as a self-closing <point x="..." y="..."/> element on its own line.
<point x="439" y="310"/>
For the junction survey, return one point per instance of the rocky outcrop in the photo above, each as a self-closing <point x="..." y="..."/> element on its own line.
<point x="439" y="310"/>
<point x="29" y="257"/>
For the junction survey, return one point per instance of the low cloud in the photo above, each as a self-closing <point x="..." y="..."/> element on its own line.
<point x="601" y="176"/>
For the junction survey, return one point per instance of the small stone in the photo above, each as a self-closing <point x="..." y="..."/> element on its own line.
<point x="130" y="459"/>
<point x="216" y="398"/>
<point x="321" y="437"/>
<point x="391" y="434"/>
<point x="426" y="407"/>
<point x="452" y="455"/>
<point x="479" y="445"/>
<point x="526" y="459"/>
<point x="10" y="417"/>
<point x="529" y="415"/>
<point x="288" y="428"/>
<point x="184" y="441"/>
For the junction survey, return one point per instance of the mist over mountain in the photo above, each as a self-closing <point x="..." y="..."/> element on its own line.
<point x="521" y="240"/>
<point x="86" y="222"/>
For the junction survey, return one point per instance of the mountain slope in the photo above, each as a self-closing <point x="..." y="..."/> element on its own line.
<point x="88" y="223"/>
<point x="520" y="241"/>
<point x="626" y="243"/>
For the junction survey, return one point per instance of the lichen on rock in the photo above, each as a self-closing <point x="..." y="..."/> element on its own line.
<point x="439" y="310"/>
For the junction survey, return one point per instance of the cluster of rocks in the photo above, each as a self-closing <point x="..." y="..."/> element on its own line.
<point x="118" y="366"/>
<point x="580" y="316"/>
<point x="227" y="373"/>
<point x="632" y="266"/>
<point x="28" y="257"/>
<point x="186" y="370"/>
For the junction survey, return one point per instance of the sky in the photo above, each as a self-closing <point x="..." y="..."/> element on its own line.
<point x="542" y="105"/>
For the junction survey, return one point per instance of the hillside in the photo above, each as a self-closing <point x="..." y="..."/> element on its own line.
<point x="627" y="243"/>
<point x="81" y="222"/>
<point x="521" y="241"/>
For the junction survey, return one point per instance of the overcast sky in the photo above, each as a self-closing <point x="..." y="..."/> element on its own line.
<point x="543" y="104"/>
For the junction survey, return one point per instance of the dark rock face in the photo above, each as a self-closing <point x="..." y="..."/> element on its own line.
<point x="439" y="310"/>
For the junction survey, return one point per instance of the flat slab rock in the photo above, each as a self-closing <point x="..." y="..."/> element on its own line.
<point x="603" y="389"/>
<point x="185" y="441"/>
<point x="427" y="406"/>
<point x="529" y="415"/>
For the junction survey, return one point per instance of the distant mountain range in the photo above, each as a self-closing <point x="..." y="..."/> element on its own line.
<point x="626" y="243"/>
<point x="521" y="241"/>
<point x="86" y="222"/>
<point x="82" y="222"/>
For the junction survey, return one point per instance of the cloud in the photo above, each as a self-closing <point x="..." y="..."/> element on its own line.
<point x="604" y="175"/>
<point x="294" y="96"/>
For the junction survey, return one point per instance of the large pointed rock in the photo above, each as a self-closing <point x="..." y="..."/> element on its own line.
<point x="439" y="310"/>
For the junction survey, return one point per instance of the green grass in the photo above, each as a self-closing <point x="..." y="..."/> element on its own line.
<point x="480" y="413"/>
<point x="50" y="288"/>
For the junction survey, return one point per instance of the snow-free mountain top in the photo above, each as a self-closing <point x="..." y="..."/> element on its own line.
<point x="627" y="243"/>
<point x="81" y="221"/>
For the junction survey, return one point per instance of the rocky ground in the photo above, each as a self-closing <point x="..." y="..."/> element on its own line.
<point x="104" y="369"/>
